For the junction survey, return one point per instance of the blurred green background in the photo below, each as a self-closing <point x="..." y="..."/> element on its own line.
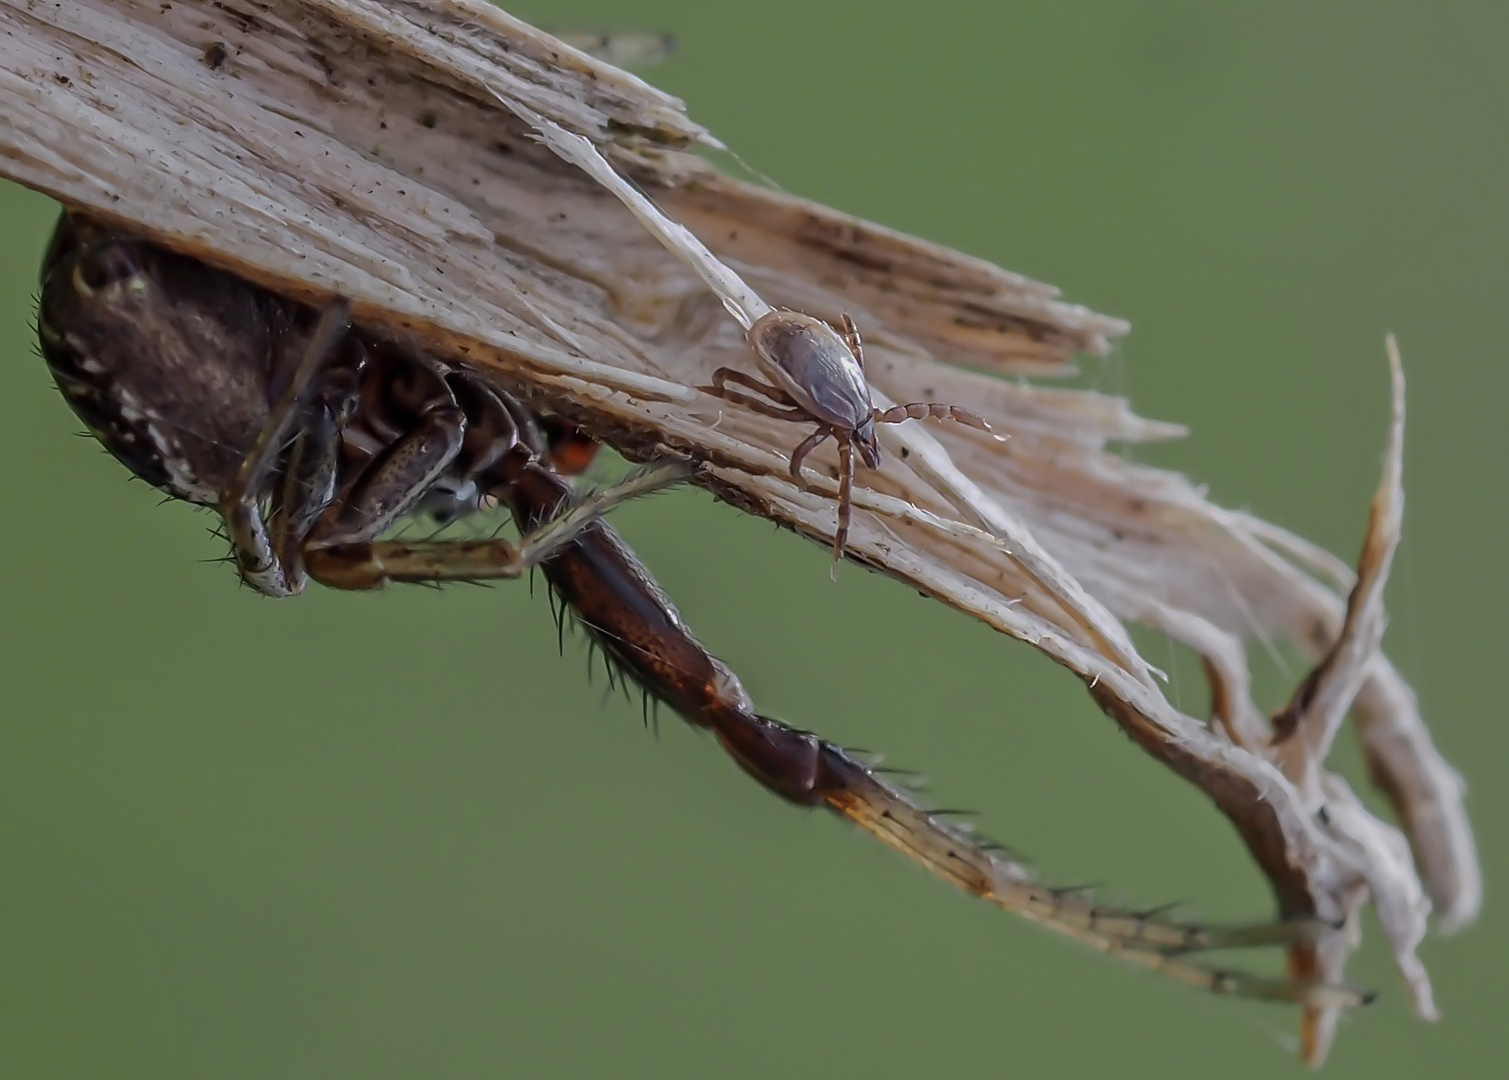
<point x="397" y="835"/>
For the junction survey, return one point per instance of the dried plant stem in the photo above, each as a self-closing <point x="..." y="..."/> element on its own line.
<point x="377" y="150"/>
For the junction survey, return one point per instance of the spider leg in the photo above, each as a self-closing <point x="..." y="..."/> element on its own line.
<point x="256" y="556"/>
<point x="402" y="472"/>
<point x="373" y="564"/>
<point x="310" y="478"/>
<point x="632" y="621"/>
<point x="919" y="410"/>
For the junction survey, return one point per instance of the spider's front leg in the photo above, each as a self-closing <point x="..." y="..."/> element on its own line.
<point x="399" y="474"/>
<point x="372" y="564"/>
<point x="635" y="625"/>
<point x="260" y="556"/>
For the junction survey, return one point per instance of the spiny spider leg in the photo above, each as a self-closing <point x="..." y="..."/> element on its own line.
<point x="240" y="501"/>
<point x="373" y="564"/>
<point x="615" y="600"/>
<point x="311" y="474"/>
<point x="402" y="472"/>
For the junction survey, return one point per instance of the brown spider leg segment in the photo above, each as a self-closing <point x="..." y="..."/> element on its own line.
<point x="311" y="468"/>
<point x="617" y="602"/>
<point x="311" y="473"/>
<point x="444" y="422"/>
<point x="256" y="557"/>
<point x="400" y="474"/>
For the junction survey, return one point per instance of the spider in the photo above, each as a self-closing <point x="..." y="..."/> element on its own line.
<point x="309" y="439"/>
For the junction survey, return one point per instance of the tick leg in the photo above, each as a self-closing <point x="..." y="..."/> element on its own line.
<point x="919" y="410"/>
<point x="631" y="620"/>
<point x="374" y="564"/>
<point x="784" y="409"/>
<point x="725" y="375"/>
<point x="400" y="474"/>
<point x="256" y="556"/>
<point x="809" y="444"/>
<point x="764" y="408"/>
<point x="851" y="338"/>
<point x="845" y="500"/>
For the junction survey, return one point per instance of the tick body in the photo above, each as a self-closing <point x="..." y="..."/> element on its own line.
<point x="817" y="375"/>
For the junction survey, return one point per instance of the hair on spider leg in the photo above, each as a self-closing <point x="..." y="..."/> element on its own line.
<point x="870" y="759"/>
<point x="1158" y="911"/>
<point x="911" y="781"/>
<point x="985" y="843"/>
<point x="950" y="850"/>
<point x="1067" y="892"/>
<point x="591" y="650"/>
<point x="560" y="627"/>
<point x="650" y="706"/>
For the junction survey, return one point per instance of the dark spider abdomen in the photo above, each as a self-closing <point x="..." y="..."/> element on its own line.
<point x="164" y="358"/>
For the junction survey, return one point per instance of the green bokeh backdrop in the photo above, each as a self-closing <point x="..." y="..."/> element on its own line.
<point x="397" y="835"/>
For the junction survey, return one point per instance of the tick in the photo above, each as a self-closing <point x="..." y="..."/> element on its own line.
<point x="817" y="375"/>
